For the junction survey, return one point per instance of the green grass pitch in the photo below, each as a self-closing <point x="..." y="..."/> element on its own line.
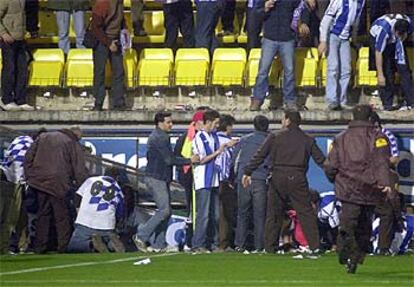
<point x="227" y="270"/>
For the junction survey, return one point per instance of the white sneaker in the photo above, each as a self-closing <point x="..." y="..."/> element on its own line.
<point x="25" y="107"/>
<point x="171" y="249"/>
<point x="154" y="250"/>
<point x="405" y="108"/>
<point x="9" y="107"/>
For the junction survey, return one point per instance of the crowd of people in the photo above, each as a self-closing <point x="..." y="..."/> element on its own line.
<point x="286" y="24"/>
<point x="242" y="194"/>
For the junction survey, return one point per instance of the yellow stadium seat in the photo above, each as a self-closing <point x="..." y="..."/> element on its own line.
<point x="364" y="77"/>
<point x="46" y="69"/>
<point x="228" y="66"/>
<point x="155" y="67"/>
<point x="410" y="54"/>
<point x="79" y="68"/>
<point x="191" y="67"/>
<point x="154" y="26"/>
<point x="242" y="37"/>
<point x="48" y="30"/>
<point x="228" y="39"/>
<point x="127" y="4"/>
<point x="252" y="69"/>
<point x="130" y="67"/>
<point x="306" y="67"/>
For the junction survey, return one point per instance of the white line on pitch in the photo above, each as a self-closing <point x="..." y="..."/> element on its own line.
<point x="39" y="269"/>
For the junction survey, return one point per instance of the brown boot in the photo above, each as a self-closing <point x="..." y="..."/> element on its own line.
<point x="255" y="105"/>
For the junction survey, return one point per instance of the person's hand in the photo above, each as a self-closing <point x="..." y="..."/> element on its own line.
<point x="322" y="48"/>
<point x="381" y="80"/>
<point x="269" y="4"/>
<point x="114" y="46"/>
<point x="195" y="158"/>
<point x="232" y="143"/>
<point x="311" y="4"/>
<point x="304" y="30"/>
<point x="7" y="38"/>
<point x="246" y="181"/>
<point x="385" y="189"/>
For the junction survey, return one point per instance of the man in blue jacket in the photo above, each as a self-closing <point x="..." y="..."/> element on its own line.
<point x="253" y="198"/>
<point x="161" y="159"/>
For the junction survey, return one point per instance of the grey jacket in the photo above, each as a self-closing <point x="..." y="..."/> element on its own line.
<point x="245" y="150"/>
<point x="13" y="18"/>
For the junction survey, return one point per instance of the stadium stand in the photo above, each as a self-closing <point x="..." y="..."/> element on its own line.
<point x="363" y="76"/>
<point x="192" y="67"/>
<point x="228" y="67"/>
<point x="46" y="69"/>
<point x="155" y="67"/>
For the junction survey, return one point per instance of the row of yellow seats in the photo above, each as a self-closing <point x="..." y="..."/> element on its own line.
<point x="153" y="25"/>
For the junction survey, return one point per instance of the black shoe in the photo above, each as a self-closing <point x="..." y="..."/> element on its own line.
<point x="334" y="107"/>
<point x="351" y="267"/>
<point x="120" y="108"/>
<point x="97" y="108"/>
<point x="384" y="252"/>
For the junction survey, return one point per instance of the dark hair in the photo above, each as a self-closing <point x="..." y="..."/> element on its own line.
<point x="160" y="117"/>
<point x="34" y="135"/>
<point x="225" y="121"/>
<point x="362" y="112"/>
<point x="210" y="115"/>
<point x="261" y="123"/>
<point x="293" y="116"/>
<point x="202" y="108"/>
<point x="401" y="26"/>
<point x="375" y="118"/>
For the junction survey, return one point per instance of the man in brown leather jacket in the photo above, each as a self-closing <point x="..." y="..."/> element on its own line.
<point x="54" y="165"/>
<point x="358" y="163"/>
<point x="289" y="151"/>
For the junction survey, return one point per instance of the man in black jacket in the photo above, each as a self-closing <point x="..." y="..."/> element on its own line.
<point x="289" y="151"/>
<point x="161" y="159"/>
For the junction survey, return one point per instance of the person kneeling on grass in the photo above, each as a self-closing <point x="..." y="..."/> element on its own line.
<point x="100" y="205"/>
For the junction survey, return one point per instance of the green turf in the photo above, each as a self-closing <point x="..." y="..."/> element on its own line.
<point x="201" y="270"/>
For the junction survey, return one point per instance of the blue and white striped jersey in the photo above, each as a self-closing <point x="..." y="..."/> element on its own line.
<point x="205" y="175"/>
<point x="328" y="211"/>
<point x="12" y="164"/>
<point x="224" y="160"/>
<point x="340" y="17"/>
<point x="383" y="30"/>
<point x="394" y="150"/>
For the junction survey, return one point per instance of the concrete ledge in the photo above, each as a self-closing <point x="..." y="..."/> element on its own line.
<point x="137" y="117"/>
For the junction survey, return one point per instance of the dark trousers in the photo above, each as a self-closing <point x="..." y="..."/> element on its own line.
<point x="354" y="232"/>
<point x="228" y="214"/>
<point x="100" y="56"/>
<point x="208" y="14"/>
<point x="254" y="23"/>
<point x="56" y="209"/>
<point x="227" y="17"/>
<point x="137" y="14"/>
<point x="386" y="232"/>
<point x="32" y="15"/>
<point x="251" y="200"/>
<point x="179" y="15"/>
<point x="14" y="72"/>
<point x="289" y="189"/>
<point x="389" y="67"/>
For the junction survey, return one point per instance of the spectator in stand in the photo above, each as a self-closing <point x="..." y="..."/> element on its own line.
<point x="387" y="54"/>
<point x="340" y="20"/>
<point x="252" y="200"/>
<point x="32" y="18"/>
<point x="178" y="14"/>
<point x="378" y="8"/>
<point x="137" y="13"/>
<point x="14" y="59"/>
<point x="254" y="23"/>
<point x="54" y="165"/>
<point x="107" y="23"/>
<point x="227" y="193"/>
<point x="100" y="205"/>
<point x="64" y="10"/>
<point x="159" y="171"/>
<point x="278" y="38"/>
<point x="227" y="17"/>
<point x="208" y="14"/>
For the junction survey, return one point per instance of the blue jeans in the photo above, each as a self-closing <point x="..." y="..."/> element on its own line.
<point x="251" y="200"/>
<point x="206" y="233"/>
<point x="63" y="22"/>
<point x="286" y="51"/>
<point x="339" y="70"/>
<point x="157" y="225"/>
<point x="81" y="240"/>
<point x="208" y="14"/>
